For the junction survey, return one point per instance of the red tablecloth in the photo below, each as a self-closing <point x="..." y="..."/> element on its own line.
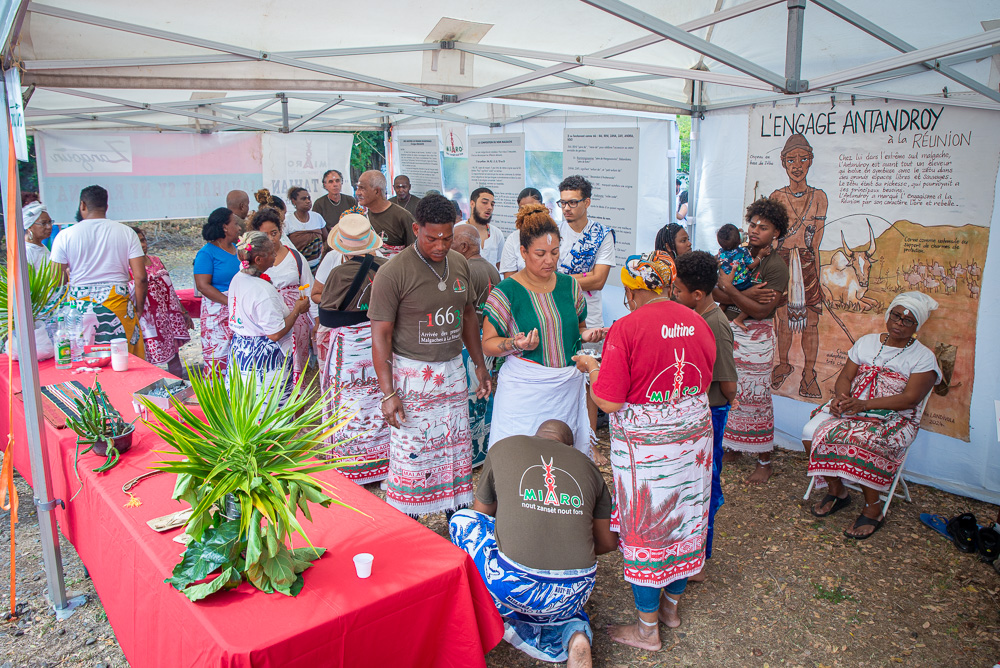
<point x="424" y="605"/>
<point x="190" y="303"/>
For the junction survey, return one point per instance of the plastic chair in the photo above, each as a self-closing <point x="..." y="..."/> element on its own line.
<point x="887" y="496"/>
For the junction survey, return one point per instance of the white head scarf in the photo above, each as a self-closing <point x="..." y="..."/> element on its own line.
<point x="32" y="212"/>
<point x="918" y="304"/>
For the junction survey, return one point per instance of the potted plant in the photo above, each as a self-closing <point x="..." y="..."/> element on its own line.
<point x="45" y="288"/>
<point x="259" y="456"/>
<point x="101" y="427"/>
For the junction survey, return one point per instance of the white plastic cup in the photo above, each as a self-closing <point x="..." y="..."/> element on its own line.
<point x="363" y="564"/>
<point x="119" y="354"/>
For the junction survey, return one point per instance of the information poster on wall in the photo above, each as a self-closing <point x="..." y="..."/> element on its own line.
<point x="882" y="198"/>
<point x="301" y="159"/>
<point x="148" y="175"/>
<point x="420" y="161"/>
<point x="497" y="162"/>
<point x="609" y="159"/>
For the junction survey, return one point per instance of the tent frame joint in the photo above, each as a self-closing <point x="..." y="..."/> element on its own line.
<point x="49" y="506"/>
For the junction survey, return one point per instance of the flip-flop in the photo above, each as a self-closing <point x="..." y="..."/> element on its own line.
<point x="964" y="530"/>
<point x="777" y="379"/>
<point x="839" y="504"/>
<point x="810" y="390"/>
<point x="864" y="521"/>
<point x="936" y="522"/>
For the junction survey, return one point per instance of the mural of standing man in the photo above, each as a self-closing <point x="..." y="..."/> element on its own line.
<point x="803" y="303"/>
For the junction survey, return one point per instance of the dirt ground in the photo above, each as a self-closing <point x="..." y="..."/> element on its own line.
<point x="784" y="588"/>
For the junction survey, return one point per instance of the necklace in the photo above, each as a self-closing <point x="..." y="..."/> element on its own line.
<point x="882" y="347"/>
<point x="442" y="284"/>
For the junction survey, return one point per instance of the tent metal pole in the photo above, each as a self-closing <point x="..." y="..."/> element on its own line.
<point x="31" y="396"/>
<point x="284" y="112"/>
<point x="697" y="98"/>
<point x="793" y="47"/>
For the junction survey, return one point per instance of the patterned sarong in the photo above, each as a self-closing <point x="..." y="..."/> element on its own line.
<point x="750" y="427"/>
<point x="108" y="314"/>
<point x="301" y="331"/>
<point x="866" y="449"/>
<point x="164" y="328"/>
<point x="261" y="357"/>
<point x="661" y="456"/>
<point x="389" y="250"/>
<point x="541" y="609"/>
<point x="321" y="344"/>
<point x="480" y="412"/>
<point x="352" y="387"/>
<point x="430" y="455"/>
<point x="215" y="334"/>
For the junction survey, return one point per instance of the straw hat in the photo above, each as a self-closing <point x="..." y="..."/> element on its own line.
<point x="354" y="235"/>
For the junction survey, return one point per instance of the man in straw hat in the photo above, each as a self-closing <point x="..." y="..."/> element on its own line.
<point x="422" y="309"/>
<point x="347" y="376"/>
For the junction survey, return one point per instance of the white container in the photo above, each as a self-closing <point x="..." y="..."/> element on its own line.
<point x="363" y="564"/>
<point x="119" y="354"/>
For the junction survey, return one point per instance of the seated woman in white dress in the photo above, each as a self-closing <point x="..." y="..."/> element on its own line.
<point x="862" y="433"/>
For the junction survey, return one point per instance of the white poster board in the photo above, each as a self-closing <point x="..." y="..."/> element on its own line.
<point x="420" y="161"/>
<point x="497" y="162"/>
<point x="301" y="159"/>
<point x="609" y="159"/>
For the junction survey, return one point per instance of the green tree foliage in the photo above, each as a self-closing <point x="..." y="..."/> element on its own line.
<point x="684" y="126"/>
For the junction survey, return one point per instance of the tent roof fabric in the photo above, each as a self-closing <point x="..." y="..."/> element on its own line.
<point x="186" y="65"/>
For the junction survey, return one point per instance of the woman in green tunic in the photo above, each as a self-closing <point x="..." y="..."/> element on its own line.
<point x="536" y="319"/>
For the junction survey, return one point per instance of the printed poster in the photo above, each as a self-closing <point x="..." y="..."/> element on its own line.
<point x="420" y="161"/>
<point x="882" y="198"/>
<point x="497" y="162"/>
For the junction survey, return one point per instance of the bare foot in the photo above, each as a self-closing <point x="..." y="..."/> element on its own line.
<point x="599" y="458"/>
<point x="668" y="614"/>
<point x="731" y="456"/>
<point x="701" y="576"/>
<point x="761" y="474"/>
<point x="579" y="652"/>
<point x="637" y="635"/>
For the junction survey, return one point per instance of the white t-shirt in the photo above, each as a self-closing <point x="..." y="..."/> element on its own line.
<point x="292" y="224"/>
<point x="510" y="259"/>
<point x="256" y="309"/>
<point x="37" y="256"/>
<point x="287" y="273"/>
<point x="605" y="255"/>
<point x="332" y="259"/>
<point x="908" y="361"/>
<point x="97" y="251"/>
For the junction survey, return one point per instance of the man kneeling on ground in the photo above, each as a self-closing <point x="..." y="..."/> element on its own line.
<point x="542" y="513"/>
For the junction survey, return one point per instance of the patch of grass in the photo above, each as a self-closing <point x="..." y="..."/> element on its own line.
<point x="835" y="595"/>
<point x="102" y="617"/>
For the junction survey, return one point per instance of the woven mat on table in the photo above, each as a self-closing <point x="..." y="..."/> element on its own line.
<point x="57" y="401"/>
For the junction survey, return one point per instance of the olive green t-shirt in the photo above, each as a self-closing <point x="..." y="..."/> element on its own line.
<point x="548" y="496"/>
<point x="340" y="280"/>
<point x="725" y="367"/>
<point x="332" y="212"/>
<point x="394" y="225"/>
<point x="427" y="322"/>
<point x="411" y="204"/>
<point x="771" y="270"/>
<point x="484" y="278"/>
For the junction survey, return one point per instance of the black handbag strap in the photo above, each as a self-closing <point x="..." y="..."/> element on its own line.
<point x="359" y="278"/>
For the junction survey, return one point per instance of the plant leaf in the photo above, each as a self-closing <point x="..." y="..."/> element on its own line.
<point x="200" y="591"/>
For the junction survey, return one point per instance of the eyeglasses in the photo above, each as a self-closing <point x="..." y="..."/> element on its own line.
<point x="904" y="321"/>
<point x="571" y="203"/>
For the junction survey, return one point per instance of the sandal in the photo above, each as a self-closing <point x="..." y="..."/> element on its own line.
<point x="839" y="504"/>
<point x="865" y="521"/>
<point x="964" y="530"/>
<point x="779" y="374"/>
<point x="989" y="544"/>
<point x="811" y="389"/>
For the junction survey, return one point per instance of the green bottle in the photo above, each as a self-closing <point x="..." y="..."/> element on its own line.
<point x="64" y="352"/>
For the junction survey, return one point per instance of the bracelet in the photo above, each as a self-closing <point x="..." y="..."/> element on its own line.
<point x="514" y="346"/>
<point x="387" y="397"/>
<point x="594" y="370"/>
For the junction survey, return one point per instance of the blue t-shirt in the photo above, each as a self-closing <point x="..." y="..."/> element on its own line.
<point x="218" y="263"/>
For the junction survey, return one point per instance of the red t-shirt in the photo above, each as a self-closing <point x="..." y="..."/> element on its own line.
<point x="644" y="351"/>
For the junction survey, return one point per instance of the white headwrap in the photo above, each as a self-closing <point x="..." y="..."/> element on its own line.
<point x="31" y="212"/>
<point x="917" y="303"/>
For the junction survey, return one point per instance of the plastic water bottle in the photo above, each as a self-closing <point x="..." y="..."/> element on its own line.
<point x="64" y="351"/>
<point x="74" y="326"/>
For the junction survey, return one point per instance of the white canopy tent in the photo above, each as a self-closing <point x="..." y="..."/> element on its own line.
<point x="257" y="65"/>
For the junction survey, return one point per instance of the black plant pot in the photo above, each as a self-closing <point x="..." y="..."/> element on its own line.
<point x="122" y="443"/>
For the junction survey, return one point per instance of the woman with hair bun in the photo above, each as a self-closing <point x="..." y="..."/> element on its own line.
<point x="291" y="277"/>
<point x="536" y="319"/>
<point x="306" y="229"/>
<point x="260" y="320"/>
<point x="510" y="260"/>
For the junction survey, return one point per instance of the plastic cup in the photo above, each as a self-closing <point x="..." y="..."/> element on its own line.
<point x="119" y="354"/>
<point x="363" y="564"/>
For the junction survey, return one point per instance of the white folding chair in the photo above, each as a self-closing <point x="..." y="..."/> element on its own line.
<point x="896" y="480"/>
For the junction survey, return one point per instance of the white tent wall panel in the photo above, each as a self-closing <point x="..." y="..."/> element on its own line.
<point x="969" y="469"/>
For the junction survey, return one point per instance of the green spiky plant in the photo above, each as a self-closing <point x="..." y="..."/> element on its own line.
<point x="265" y="456"/>
<point x="43" y="284"/>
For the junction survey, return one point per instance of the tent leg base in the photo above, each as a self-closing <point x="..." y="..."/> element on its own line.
<point x="71" y="605"/>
